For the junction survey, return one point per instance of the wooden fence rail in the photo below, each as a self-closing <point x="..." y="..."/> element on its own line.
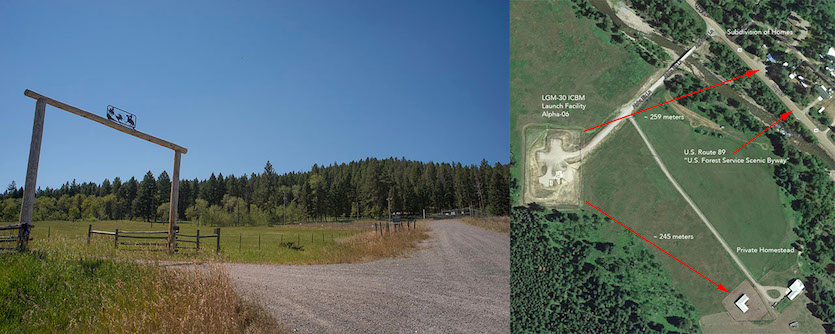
<point x="162" y="235"/>
<point x="394" y="226"/>
<point x="22" y="234"/>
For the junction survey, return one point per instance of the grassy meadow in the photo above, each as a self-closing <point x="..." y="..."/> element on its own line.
<point x="628" y="185"/>
<point x="495" y="224"/>
<point x="310" y="243"/>
<point x="742" y="201"/>
<point x="553" y="51"/>
<point x="57" y="288"/>
<point x="63" y="284"/>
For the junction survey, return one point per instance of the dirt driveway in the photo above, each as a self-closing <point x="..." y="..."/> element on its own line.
<point x="457" y="282"/>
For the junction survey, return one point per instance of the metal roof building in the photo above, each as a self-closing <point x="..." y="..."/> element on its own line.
<point x="740" y="302"/>
<point x="795" y="288"/>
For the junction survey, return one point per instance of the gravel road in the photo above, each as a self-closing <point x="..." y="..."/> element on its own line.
<point x="458" y="282"/>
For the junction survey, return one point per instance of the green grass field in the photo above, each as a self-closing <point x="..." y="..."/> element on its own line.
<point x="321" y="243"/>
<point x="623" y="180"/>
<point x="59" y="287"/>
<point x="742" y="201"/>
<point x="553" y="51"/>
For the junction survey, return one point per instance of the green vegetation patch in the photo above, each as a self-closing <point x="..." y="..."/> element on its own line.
<point x="672" y="18"/>
<point x="247" y="244"/>
<point x="567" y="278"/>
<point x="555" y="51"/>
<point x="44" y="292"/>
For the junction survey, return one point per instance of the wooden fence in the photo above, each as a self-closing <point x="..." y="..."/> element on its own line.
<point x="394" y="226"/>
<point x="156" y="238"/>
<point x="20" y="233"/>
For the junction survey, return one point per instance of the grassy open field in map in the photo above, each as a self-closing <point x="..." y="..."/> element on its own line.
<point x="628" y="185"/>
<point x="554" y="52"/>
<point x="741" y="200"/>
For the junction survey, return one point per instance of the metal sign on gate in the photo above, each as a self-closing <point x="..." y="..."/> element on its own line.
<point x="120" y="116"/>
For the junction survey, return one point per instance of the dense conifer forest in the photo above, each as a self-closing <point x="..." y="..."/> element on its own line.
<point x="369" y="188"/>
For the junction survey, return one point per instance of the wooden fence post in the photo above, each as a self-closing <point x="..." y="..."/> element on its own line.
<point x="217" y="233"/>
<point x="240" y="240"/>
<point x="89" y="233"/>
<point x="198" y="240"/>
<point x="259" y="240"/>
<point x="116" y="239"/>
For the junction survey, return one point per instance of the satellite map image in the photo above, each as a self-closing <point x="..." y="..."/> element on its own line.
<point x="672" y="166"/>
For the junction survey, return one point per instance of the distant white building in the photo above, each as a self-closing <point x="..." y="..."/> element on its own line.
<point x="795" y="288"/>
<point x="740" y="302"/>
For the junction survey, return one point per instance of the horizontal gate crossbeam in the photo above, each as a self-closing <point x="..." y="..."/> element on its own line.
<point x="105" y="121"/>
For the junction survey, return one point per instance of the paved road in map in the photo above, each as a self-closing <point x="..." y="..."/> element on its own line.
<point x="457" y="283"/>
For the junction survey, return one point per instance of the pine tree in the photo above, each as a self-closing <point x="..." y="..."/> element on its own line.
<point x="126" y="198"/>
<point x="499" y="191"/>
<point x="163" y="188"/>
<point x="105" y="188"/>
<point x="266" y="187"/>
<point x="146" y="196"/>
<point x="117" y="184"/>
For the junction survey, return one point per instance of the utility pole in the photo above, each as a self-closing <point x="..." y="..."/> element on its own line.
<point x="285" y="207"/>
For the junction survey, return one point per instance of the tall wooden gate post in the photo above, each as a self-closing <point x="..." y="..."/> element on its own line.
<point x="29" y="187"/>
<point x="172" y="207"/>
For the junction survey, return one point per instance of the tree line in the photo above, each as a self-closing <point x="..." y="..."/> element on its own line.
<point x="672" y="18"/>
<point x="370" y="188"/>
<point x="805" y="180"/>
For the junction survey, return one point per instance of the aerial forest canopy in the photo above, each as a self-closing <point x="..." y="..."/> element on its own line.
<point x="366" y="188"/>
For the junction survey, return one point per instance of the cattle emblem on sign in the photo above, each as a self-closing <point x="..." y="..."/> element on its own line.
<point x="122" y="117"/>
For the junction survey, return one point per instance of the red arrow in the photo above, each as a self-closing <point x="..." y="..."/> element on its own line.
<point x="747" y="74"/>
<point x="718" y="286"/>
<point x="782" y="118"/>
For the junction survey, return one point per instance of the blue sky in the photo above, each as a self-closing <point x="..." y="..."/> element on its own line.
<point x="293" y="82"/>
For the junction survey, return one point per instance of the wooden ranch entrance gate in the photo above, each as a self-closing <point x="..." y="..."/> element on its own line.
<point x="35" y="152"/>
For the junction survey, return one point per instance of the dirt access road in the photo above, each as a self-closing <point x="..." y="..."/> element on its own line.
<point x="458" y="282"/>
